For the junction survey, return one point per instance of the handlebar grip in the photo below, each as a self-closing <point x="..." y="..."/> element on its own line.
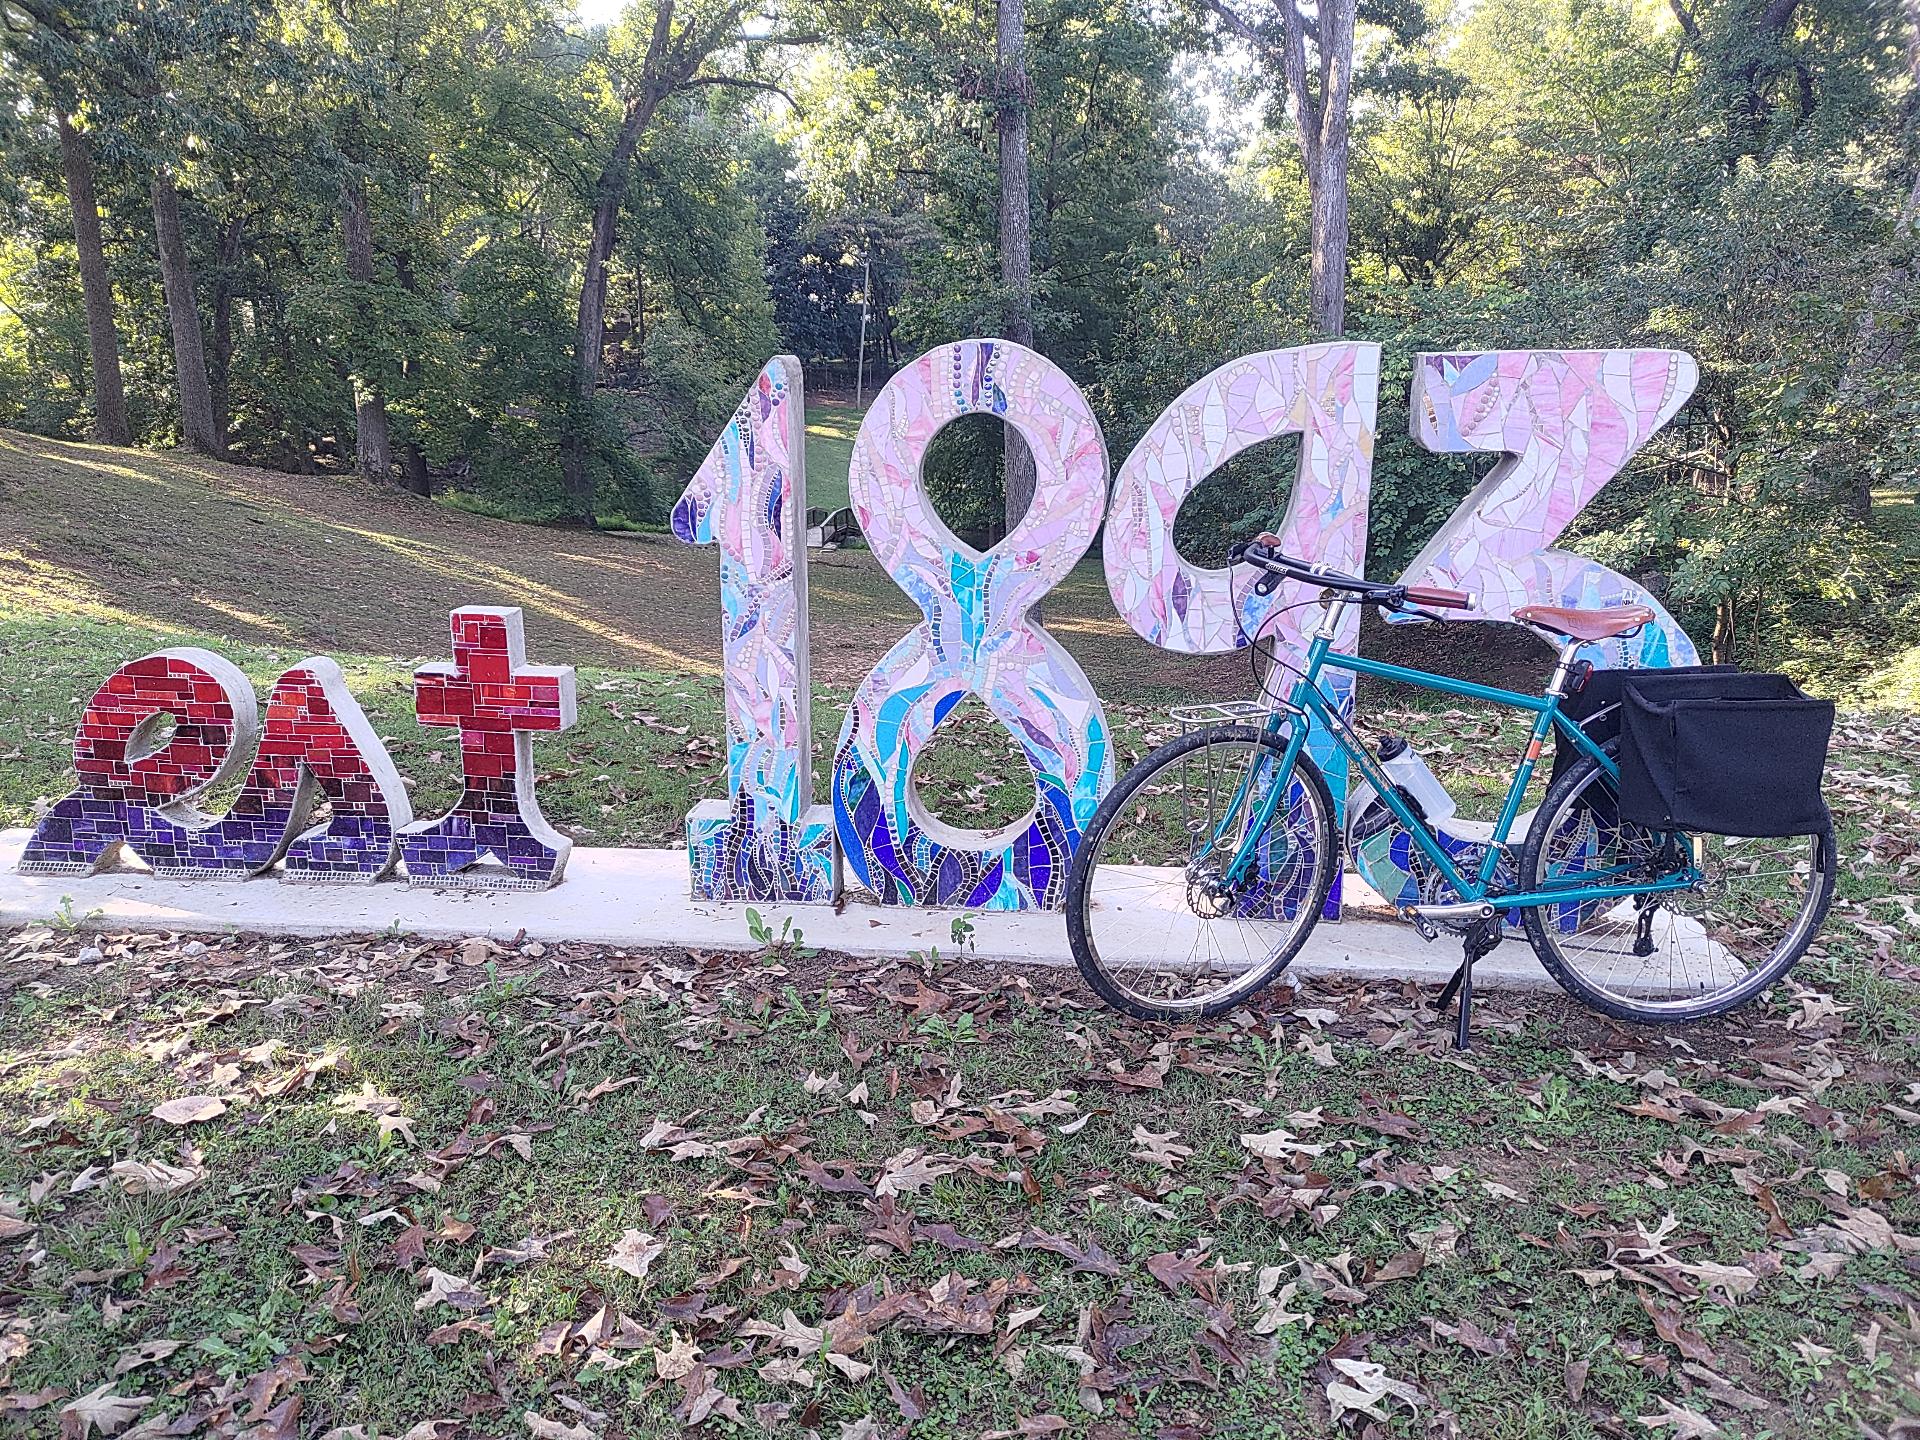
<point x="1435" y="597"/>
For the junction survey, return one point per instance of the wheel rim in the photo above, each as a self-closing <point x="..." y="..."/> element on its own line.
<point x="1713" y="945"/>
<point x="1164" y="924"/>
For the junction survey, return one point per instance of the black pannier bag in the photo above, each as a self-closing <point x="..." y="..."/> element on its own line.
<point x="1713" y="750"/>
<point x="1595" y="706"/>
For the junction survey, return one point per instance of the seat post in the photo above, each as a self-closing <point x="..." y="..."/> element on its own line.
<point x="1557" y="685"/>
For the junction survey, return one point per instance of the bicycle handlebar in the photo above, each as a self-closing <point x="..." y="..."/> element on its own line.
<point x="1437" y="597"/>
<point x="1264" y="552"/>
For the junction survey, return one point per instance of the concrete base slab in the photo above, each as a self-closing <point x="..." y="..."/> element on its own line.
<point x="638" y="898"/>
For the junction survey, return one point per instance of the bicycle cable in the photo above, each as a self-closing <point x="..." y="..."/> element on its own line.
<point x="1266" y="645"/>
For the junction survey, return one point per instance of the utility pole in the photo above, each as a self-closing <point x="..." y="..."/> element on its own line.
<point x="860" y="366"/>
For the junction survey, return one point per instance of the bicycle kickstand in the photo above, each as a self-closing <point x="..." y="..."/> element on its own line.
<point x="1480" y="939"/>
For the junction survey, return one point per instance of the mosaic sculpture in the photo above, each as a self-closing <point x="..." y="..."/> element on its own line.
<point x="497" y="701"/>
<point x="1328" y="395"/>
<point x="768" y="840"/>
<point x="1565" y="422"/>
<point x="318" y="743"/>
<point x="138" y="779"/>
<point x="165" y="730"/>
<point x="976" y="638"/>
<point x="1398" y="870"/>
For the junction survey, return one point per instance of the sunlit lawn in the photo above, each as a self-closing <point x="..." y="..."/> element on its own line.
<point x="831" y="426"/>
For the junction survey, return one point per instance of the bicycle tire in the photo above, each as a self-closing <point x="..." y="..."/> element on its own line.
<point x="1080" y="880"/>
<point x="1554" y="810"/>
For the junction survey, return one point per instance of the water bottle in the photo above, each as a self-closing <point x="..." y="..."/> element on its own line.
<point x="1403" y="763"/>
<point x="1410" y="773"/>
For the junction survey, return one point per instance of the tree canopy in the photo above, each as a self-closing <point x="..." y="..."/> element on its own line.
<point x="487" y="249"/>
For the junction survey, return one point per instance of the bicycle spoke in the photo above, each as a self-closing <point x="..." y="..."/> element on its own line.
<point x="1678" y="952"/>
<point x="1165" y="923"/>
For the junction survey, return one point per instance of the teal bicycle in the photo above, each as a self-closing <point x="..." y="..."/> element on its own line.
<point x="1207" y="866"/>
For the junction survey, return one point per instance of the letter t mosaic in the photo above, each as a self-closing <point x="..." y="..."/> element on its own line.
<point x="497" y="701"/>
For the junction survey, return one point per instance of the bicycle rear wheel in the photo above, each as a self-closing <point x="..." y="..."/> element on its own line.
<point x="1683" y="954"/>
<point x="1157" y="927"/>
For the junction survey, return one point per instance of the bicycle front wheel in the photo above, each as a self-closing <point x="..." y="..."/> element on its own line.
<point x="1681" y="954"/>
<point x="1161" y="926"/>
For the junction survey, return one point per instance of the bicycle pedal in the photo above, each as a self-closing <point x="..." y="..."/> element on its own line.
<point x="1422" y="926"/>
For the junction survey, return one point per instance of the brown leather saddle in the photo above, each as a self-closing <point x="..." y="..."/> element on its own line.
<point x="1585" y="624"/>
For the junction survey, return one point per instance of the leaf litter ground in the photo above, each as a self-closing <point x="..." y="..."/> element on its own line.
<point x="375" y="1187"/>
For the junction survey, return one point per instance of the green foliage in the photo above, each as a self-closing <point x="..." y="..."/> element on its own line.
<point x="43" y="341"/>
<point x="1733" y="181"/>
<point x="1228" y="282"/>
<point x="966" y="478"/>
<point x="511" y="398"/>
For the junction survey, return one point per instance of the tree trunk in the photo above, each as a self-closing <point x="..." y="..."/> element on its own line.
<point x="373" y="446"/>
<point x="220" y="369"/>
<point x="1013" y="97"/>
<point x="183" y="315"/>
<point x="1723" y="631"/>
<point x="1327" y="171"/>
<point x="110" y="424"/>
<point x="1766" y="56"/>
<point x="1327" y="294"/>
<point x="1879" y="350"/>
<point x="589" y="331"/>
<point x="413" y="470"/>
<point x="1327" y="300"/>
<point x="590" y="324"/>
<point x="1879" y="343"/>
<point x="1321" y="121"/>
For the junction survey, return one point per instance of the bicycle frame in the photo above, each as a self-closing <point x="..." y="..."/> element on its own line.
<point x="1305" y="702"/>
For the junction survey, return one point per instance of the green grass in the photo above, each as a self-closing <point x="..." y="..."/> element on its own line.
<point x="831" y="426"/>
<point x="1896" y="681"/>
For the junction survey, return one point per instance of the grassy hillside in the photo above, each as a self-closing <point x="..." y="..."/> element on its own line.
<point x="108" y="554"/>
<point x="173" y="543"/>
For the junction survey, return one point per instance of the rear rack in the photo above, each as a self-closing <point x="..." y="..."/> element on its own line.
<point x="1223" y="712"/>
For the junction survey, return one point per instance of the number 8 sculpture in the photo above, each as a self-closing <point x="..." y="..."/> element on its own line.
<point x="976" y="637"/>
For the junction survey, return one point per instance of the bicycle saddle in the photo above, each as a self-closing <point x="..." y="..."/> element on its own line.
<point x="1585" y="624"/>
